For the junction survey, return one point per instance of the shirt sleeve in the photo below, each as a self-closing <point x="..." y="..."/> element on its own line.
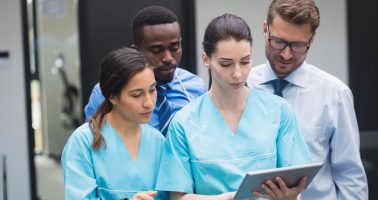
<point x="95" y="100"/>
<point x="291" y="146"/>
<point x="79" y="176"/>
<point x="346" y="165"/>
<point x="175" y="172"/>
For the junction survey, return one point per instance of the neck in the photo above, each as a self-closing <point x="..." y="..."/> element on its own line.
<point x="228" y="99"/>
<point x="123" y="126"/>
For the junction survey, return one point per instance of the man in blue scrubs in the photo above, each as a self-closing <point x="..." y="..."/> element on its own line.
<point x="157" y="33"/>
<point x="322" y="104"/>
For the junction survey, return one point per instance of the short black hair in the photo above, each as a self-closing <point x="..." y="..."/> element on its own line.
<point x="151" y="15"/>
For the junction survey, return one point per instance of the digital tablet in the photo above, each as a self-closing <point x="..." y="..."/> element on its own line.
<point x="252" y="180"/>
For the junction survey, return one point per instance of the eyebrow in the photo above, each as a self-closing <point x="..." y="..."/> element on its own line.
<point x="162" y="45"/>
<point x="229" y="59"/>
<point x="139" y="89"/>
<point x="289" y="42"/>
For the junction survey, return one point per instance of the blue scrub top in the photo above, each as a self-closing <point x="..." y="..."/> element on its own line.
<point x="202" y="155"/>
<point x="110" y="173"/>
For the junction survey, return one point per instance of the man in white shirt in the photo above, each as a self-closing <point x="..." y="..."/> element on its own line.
<point x="321" y="102"/>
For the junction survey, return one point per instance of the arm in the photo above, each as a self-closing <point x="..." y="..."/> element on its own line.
<point x="94" y="101"/>
<point x="291" y="150"/>
<point x="291" y="146"/>
<point x="149" y="195"/>
<point x="347" y="169"/>
<point x="185" y="196"/>
<point x="79" y="178"/>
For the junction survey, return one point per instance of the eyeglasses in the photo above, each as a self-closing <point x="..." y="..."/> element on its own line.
<point x="295" y="47"/>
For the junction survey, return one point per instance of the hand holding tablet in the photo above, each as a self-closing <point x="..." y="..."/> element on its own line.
<point x="291" y="175"/>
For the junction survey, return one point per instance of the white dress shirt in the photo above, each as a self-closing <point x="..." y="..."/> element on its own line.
<point x="324" y="108"/>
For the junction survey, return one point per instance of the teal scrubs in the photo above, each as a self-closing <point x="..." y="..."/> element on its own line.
<point x="110" y="173"/>
<point x="203" y="156"/>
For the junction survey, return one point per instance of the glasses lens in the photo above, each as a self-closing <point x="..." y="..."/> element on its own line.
<point x="276" y="44"/>
<point x="299" y="48"/>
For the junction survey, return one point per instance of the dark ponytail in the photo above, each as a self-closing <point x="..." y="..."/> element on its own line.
<point x="96" y="122"/>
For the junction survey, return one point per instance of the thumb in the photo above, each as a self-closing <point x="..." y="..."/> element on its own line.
<point x="151" y="193"/>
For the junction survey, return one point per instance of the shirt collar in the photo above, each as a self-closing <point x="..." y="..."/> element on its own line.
<point x="299" y="77"/>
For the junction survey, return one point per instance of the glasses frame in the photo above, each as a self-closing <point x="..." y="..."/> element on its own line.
<point x="288" y="43"/>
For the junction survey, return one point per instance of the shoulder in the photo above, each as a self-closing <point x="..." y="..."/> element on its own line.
<point x="266" y="98"/>
<point x="191" y="110"/>
<point x="153" y="137"/>
<point x="96" y="88"/>
<point x="331" y="81"/>
<point x="186" y="76"/>
<point x="152" y="132"/>
<point x="270" y="104"/>
<point x="257" y="74"/>
<point x="80" y="141"/>
<point x="82" y="135"/>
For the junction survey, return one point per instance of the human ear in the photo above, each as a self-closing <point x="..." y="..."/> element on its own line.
<point x="313" y="36"/>
<point x="205" y="59"/>
<point x="265" y="27"/>
<point x="113" y="99"/>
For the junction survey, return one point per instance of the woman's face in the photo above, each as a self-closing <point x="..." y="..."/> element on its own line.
<point x="230" y="64"/>
<point x="137" y="99"/>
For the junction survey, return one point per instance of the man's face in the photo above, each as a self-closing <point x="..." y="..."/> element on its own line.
<point x="161" y="44"/>
<point x="285" y="45"/>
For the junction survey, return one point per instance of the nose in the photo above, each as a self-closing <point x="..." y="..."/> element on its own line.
<point x="149" y="101"/>
<point x="236" y="73"/>
<point x="286" y="53"/>
<point x="167" y="56"/>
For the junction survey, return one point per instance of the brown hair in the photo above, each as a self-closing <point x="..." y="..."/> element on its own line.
<point x="295" y="11"/>
<point x="223" y="28"/>
<point x="117" y="68"/>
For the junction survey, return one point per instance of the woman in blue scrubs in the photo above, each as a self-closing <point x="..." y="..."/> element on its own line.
<point x="115" y="155"/>
<point x="230" y="130"/>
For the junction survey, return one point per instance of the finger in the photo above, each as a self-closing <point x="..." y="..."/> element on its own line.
<point x="261" y="195"/>
<point x="268" y="190"/>
<point x="142" y="196"/>
<point x="302" y="183"/>
<point x="277" y="192"/>
<point x="282" y="184"/>
<point x="300" y="186"/>
<point x="151" y="193"/>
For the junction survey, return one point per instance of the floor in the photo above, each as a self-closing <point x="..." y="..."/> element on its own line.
<point x="49" y="178"/>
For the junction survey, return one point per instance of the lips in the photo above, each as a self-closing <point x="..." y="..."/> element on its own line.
<point x="285" y="62"/>
<point x="147" y="113"/>
<point x="237" y="85"/>
<point x="167" y="68"/>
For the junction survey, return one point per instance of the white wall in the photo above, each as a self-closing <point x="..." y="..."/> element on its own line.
<point x="328" y="52"/>
<point x="13" y="121"/>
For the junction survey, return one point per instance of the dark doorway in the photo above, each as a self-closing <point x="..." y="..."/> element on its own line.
<point x="106" y="25"/>
<point x="363" y="48"/>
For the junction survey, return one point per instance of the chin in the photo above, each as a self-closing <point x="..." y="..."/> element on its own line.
<point x="144" y="120"/>
<point x="165" y="79"/>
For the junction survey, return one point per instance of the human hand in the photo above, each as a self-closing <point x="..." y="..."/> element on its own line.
<point x="149" y="195"/>
<point x="281" y="192"/>
<point x="228" y="195"/>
